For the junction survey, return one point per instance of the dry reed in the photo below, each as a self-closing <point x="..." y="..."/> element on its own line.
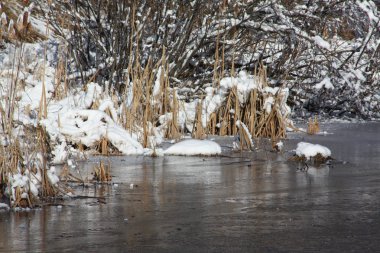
<point x="173" y="131"/>
<point x="102" y="173"/>
<point x="252" y="114"/>
<point x="198" y="131"/>
<point x="313" y="126"/>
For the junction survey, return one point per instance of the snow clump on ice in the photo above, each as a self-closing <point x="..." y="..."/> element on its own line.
<point x="194" y="147"/>
<point x="309" y="150"/>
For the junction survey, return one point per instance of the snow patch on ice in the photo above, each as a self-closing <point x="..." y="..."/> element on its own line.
<point x="194" y="147"/>
<point x="4" y="206"/>
<point x="309" y="150"/>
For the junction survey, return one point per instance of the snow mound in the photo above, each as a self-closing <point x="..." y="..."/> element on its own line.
<point x="194" y="147"/>
<point x="90" y="126"/>
<point x="4" y="206"/>
<point x="326" y="82"/>
<point x="309" y="150"/>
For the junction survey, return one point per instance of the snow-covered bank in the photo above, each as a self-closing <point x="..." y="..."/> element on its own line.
<point x="99" y="85"/>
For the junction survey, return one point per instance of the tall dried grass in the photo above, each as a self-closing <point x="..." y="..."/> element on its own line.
<point x="102" y="173"/>
<point x="313" y="126"/>
<point x="259" y="122"/>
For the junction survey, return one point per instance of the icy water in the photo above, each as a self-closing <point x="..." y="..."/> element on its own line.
<point x="258" y="202"/>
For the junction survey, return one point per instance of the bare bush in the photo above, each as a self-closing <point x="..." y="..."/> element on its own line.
<point x="301" y="42"/>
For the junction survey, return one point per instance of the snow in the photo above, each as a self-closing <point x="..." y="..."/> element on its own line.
<point x="153" y="152"/>
<point x="280" y="145"/>
<point x="194" y="147"/>
<point x="93" y="92"/>
<point x="326" y="82"/>
<point x="21" y="181"/>
<point x="268" y="102"/>
<point x="88" y="127"/>
<point x="366" y="6"/>
<point x="244" y="84"/>
<point x="309" y="150"/>
<point x="321" y="42"/>
<point x="52" y="175"/>
<point x="157" y="83"/>
<point x="4" y="206"/>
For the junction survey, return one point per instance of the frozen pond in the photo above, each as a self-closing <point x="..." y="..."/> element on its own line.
<point x="236" y="203"/>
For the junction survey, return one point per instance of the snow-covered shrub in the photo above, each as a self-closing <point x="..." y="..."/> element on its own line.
<point x="325" y="52"/>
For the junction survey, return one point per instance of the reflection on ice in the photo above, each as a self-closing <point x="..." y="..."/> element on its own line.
<point x="205" y="201"/>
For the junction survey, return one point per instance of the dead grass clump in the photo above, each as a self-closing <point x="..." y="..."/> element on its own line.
<point x="22" y="198"/>
<point x="246" y="141"/>
<point x="105" y="147"/>
<point x="48" y="190"/>
<point x="67" y="176"/>
<point x="318" y="159"/>
<point x="260" y="113"/>
<point x="296" y="158"/>
<point x="313" y="126"/>
<point x="102" y="173"/>
<point x="61" y="82"/>
<point x="212" y="124"/>
<point x="227" y="114"/>
<point x="173" y="131"/>
<point x="198" y="130"/>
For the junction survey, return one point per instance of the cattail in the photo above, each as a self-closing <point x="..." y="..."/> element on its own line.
<point x="10" y="26"/>
<point x="19" y="22"/>
<point x="4" y="21"/>
<point x="25" y="19"/>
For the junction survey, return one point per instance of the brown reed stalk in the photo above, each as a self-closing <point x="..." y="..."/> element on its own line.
<point x="102" y="173"/>
<point x="104" y="146"/>
<point x="246" y="143"/>
<point x="198" y="131"/>
<point x="172" y="131"/>
<point x="43" y="101"/>
<point x="212" y="124"/>
<point x="47" y="188"/>
<point x="216" y="76"/>
<point x="313" y="126"/>
<point x="60" y="78"/>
